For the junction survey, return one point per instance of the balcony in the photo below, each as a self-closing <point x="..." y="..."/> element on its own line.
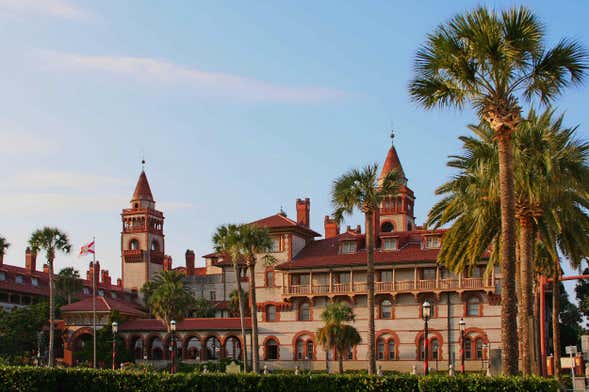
<point x="133" y="255"/>
<point x="396" y="287"/>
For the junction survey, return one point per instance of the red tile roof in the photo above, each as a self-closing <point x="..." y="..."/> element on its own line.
<point x="279" y="221"/>
<point x="104" y="305"/>
<point x="392" y="162"/>
<point x="189" y="324"/>
<point x="142" y="189"/>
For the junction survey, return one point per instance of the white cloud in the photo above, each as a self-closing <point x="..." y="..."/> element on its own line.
<point x="15" y="142"/>
<point x="55" y="8"/>
<point x="214" y="83"/>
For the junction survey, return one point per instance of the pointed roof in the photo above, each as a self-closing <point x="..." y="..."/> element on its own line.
<point x="104" y="304"/>
<point x="392" y="162"/>
<point x="142" y="189"/>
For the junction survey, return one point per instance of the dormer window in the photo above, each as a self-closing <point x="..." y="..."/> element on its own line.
<point x="432" y="242"/>
<point x="35" y="281"/>
<point x="19" y="279"/>
<point x="2" y="275"/>
<point x="389" y="244"/>
<point x="349" y="247"/>
<point x="275" y="246"/>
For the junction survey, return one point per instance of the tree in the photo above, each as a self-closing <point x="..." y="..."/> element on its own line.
<point x="19" y="330"/>
<point x="582" y="294"/>
<point x="335" y="334"/>
<point x="168" y="297"/>
<point x="254" y="240"/>
<point x="104" y="337"/>
<point x="68" y="283"/>
<point x="234" y="302"/>
<point x="226" y="242"/>
<point x="203" y="308"/>
<point x="3" y="246"/>
<point x="493" y="61"/>
<point x="50" y="240"/>
<point x="362" y="190"/>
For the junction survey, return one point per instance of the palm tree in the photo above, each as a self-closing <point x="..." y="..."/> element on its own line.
<point x="68" y="283"/>
<point x="493" y="60"/>
<point x="50" y="240"/>
<point x="225" y="241"/>
<point x="254" y="240"/>
<point x="168" y="297"/>
<point x="335" y="334"/>
<point x="234" y="303"/>
<point x="362" y="190"/>
<point x="3" y="246"/>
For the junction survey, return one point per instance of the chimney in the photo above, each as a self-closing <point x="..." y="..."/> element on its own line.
<point x="105" y="277"/>
<point x="119" y="282"/>
<point x="92" y="270"/>
<point x="189" y="262"/>
<point x="303" y="210"/>
<point x="30" y="260"/>
<point x="45" y="268"/>
<point x="331" y="227"/>
<point x="167" y="263"/>
<point x="358" y="229"/>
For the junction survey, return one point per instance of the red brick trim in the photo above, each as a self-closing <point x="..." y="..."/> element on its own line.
<point x="392" y="336"/>
<point x="311" y="337"/>
<point x="432" y="334"/>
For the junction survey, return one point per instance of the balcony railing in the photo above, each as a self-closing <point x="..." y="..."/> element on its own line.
<point x="400" y="286"/>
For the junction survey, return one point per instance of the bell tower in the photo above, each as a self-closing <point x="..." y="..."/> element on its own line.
<point x="142" y="238"/>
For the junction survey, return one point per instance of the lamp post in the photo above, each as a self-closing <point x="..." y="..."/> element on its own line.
<point x="426" y="313"/>
<point x="461" y="324"/>
<point x="115" y="329"/>
<point x="173" y="346"/>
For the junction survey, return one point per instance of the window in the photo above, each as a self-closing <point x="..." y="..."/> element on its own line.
<point x="435" y="348"/>
<point x="269" y="278"/>
<point x="478" y="346"/>
<point x="300" y="279"/>
<point x="86" y="290"/>
<point x="432" y="242"/>
<point x="300" y="349"/>
<point x="271" y="313"/>
<point x="232" y="348"/>
<point x="134" y="244"/>
<point x="193" y="348"/>
<point x="391" y="349"/>
<point x="304" y="312"/>
<point x="275" y="246"/>
<point x="349" y="247"/>
<point x="101" y="293"/>
<point x="341" y="277"/>
<point x="389" y="244"/>
<point x="473" y="307"/>
<point x="380" y="349"/>
<point x="2" y="275"/>
<point x="19" y="279"/>
<point x="213" y="348"/>
<point x="386" y="276"/>
<point x="138" y="348"/>
<point x="386" y="309"/>
<point x="154" y="245"/>
<point x="428" y="273"/>
<point x="213" y="296"/>
<point x="271" y="350"/>
<point x="113" y="294"/>
<point x="467" y="348"/>
<point x="387" y="227"/>
<point x="35" y="281"/>
<point x="309" y="349"/>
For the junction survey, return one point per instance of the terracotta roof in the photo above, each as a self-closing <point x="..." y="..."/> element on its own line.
<point x="325" y="253"/>
<point x="104" y="305"/>
<point x="189" y="324"/>
<point x="391" y="162"/>
<point x="279" y="221"/>
<point x="142" y="189"/>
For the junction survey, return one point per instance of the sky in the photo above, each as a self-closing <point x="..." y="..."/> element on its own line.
<point x="238" y="108"/>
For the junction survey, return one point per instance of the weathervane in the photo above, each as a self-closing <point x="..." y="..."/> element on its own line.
<point x="392" y="135"/>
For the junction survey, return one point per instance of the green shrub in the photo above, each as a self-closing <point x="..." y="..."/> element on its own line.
<point x="30" y="379"/>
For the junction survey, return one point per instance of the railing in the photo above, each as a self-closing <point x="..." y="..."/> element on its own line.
<point x="397" y="286"/>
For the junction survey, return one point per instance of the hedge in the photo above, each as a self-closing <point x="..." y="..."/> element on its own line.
<point x="30" y="379"/>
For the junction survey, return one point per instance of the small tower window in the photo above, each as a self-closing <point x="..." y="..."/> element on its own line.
<point x="134" y="244"/>
<point x="387" y="227"/>
<point x="154" y="245"/>
<point x="136" y="205"/>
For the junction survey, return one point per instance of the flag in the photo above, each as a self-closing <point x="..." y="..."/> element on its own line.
<point x="88" y="248"/>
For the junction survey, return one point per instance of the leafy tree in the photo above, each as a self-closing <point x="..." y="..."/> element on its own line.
<point x="335" y="334"/>
<point x="50" y="240"/>
<point x="19" y="329"/>
<point x="226" y="242"/>
<point x="203" y="308"/>
<point x="68" y="283"/>
<point x="234" y="302"/>
<point x="493" y="60"/>
<point x="362" y="190"/>
<point x="3" y="246"/>
<point x="104" y="337"/>
<point x="582" y="293"/>
<point x="168" y="297"/>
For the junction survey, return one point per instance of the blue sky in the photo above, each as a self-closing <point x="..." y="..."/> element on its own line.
<point x="238" y="107"/>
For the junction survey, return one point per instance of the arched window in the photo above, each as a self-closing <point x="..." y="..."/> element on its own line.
<point x="134" y="244"/>
<point x="138" y="348"/>
<point x="270" y="313"/>
<point x="304" y="311"/>
<point x="387" y="227"/>
<point x="310" y="349"/>
<point x="473" y="306"/>
<point x="155" y="246"/>
<point x="435" y="349"/>
<point x="467" y="348"/>
<point x="193" y="349"/>
<point x="478" y="345"/>
<point x="300" y="346"/>
<point x="391" y="349"/>
<point x="157" y="349"/>
<point x="232" y="348"/>
<point x="213" y="348"/>
<point x="421" y="348"/>
<point x="271" y="350"/>
<point x="386" y="310"/>
<point x="305" y="348"/>
<point x="380" y="349"/>
<point x="269" y="278"/>
<point x="385" y="348"/>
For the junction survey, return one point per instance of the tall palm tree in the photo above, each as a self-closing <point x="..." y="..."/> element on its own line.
<point x="360" y="189"/>
<point x="168" y="297"/>
<point x="68" y="283"/>
<point x="493" y="60"/>
<point x="254" y="240"/>
<point x="225" y="241"/>
<point x="50" y="240"/>
<point x="335" y="334"/>
<point x="3" y="246"/>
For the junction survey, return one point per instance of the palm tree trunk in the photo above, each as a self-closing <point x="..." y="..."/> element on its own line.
<point x="254" y="316"/>
<point x="555" y="318"/>
<point x="51" y="313"/>
<point x="525" y="309"/>
<point x="340" y="361"/>
<point x="241" y="316"/>
<point x="509" y="340"/>
<point x="370" y="283"/>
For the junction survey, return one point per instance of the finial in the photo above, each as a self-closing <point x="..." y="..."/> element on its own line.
<point x="282" y="211"/>
<point x="143" y="164"/>
<point x="392" y="136"/>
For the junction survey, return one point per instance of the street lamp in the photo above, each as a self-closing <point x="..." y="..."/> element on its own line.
<point x="115" y="329"/>
<point x="426" y="313"/>
<point x="173" y="346"/>
<point x="461" y="324"/>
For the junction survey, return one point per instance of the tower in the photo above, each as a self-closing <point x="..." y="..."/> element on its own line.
<point x="142" y="238"/>
<point x="396" y="211"/>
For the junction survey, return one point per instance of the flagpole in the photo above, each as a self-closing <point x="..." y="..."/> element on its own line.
<point x="94" y="304"/>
